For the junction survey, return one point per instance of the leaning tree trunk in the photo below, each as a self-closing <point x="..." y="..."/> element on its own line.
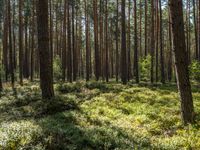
<point x="183" y="82"/>
<point x="46" y="78"/>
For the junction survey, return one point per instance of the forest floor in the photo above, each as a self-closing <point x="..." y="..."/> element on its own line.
<point x="97" y="116"/>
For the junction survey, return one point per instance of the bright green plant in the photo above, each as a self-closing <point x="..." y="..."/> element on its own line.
<point x="195" y="70"/>
<point x="145" y="66"/>
<point x="57" y="68"/>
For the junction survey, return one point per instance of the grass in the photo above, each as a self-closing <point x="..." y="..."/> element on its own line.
<point x="103" y="116"/>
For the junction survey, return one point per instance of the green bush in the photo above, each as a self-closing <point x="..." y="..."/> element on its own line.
<point x="57" y="68"/>
<point x="69" y="87"/>
<point x="145" y="67"/>
<point x="96" y="85"/>
<point x="195" y="70"/>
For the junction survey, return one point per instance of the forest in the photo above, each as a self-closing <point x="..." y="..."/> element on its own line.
<point x="99" y="74"/>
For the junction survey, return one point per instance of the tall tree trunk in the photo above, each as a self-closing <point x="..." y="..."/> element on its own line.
<point x="1" y="85"/>
<point x="152" y="39"/>
<point x="129" y="41"/>
<point x="145" y="29"/>
<point x="117" y="45"/>
<point x="123" y="44"/>
<point x="199" y="29"/>
<point x="46" y="78"/>
<point x="73" y="44"/>
<point x="195" y="30"/>
<point x="32" y="40"/>
<point x="64" y="42"/>
<point x="26" y="52"/>
<point x="51" y="32"/>
<point x="69" y="53"/>
<point x="87" y="43"/>
<point x="157" y="28"/>
<point x="170" y="68"/>
<point x="96" y="41"/>
<point x="140" y="29"/>
<point x="162" y="61"/>
<point x="5" y="42"/>
<point x="136" y="67"/>
<point x="10" y="46"/>
<point x="106" y="42"/>
<point x="21" y="42"/>
<point x="182" y="73"/>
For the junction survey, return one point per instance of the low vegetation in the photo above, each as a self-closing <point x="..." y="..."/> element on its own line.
<point x="96" y="116"/>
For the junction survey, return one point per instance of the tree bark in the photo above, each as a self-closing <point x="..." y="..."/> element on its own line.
<point x="46" y="78"/>
<point x="182" y="73"/>
<point x="123" y="44"/>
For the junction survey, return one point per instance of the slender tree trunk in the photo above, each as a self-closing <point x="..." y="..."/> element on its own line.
<point x="182" y="73"/>
<point x="20" y="42"/>
<point x="14" y="36"/>
<point x="152" y="40"/>
<point x="1" y="85"/>
<point x="199" y="29"/>
<point x="64" y="42"/>
<point x="145" y="26"/>
<point x="162" y="61"/>
<point x="87" y="43"/>
<point x="51" y="32"/>
<point x="96" y="41"/>
<point x="170" y="68"/>
<point x="117" y="44"/>
<point x="5" y="42"/>
<point x="73" y="44"/>
<point x="33" y="40"/>
<point x="195" y="30"/>
<point x="129" y="41"/>
<point x="106" y="42"/>
<point x="123" y="44"/>
<point x="140" y="30"/>
<point x="157" y="28"/>
<point x="69" y="60"/>
<point x="136" y="67"/>
<point x="10" y="46"/>
<point x="26" y="53"/>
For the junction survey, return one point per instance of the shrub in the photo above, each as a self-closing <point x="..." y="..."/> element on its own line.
<point x="57" y="68"/>
<point x="96" y="85"/>
<point x="69" y="87"/>
<point x="195" y="70"/>
<point x="145" y="67"/>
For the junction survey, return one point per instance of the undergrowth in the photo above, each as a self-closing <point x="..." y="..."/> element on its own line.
<point x="96" y="115"/>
